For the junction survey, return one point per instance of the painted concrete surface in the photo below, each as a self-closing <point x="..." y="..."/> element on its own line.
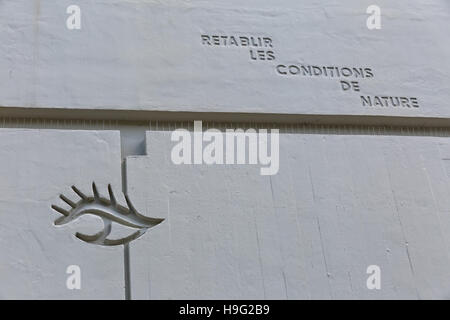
<point x="338" y="204"/>
<point x="36" y="167"/>
<point x="148" y="55"/>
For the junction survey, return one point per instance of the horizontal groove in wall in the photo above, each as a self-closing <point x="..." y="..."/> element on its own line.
<point x="82" y="124"/>
<point x="172" y="116"/>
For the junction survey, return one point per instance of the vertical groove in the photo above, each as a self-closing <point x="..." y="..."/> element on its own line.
<point x="126" y="246"/>
<point x="126" y="261"/>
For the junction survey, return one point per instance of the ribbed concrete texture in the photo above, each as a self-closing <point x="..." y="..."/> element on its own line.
<point x="338" y="204"/>
<point x="36" y="167"/>
<point x="227" y="56"/>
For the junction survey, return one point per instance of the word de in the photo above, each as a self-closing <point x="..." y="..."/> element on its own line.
<point x="350" y="85"/>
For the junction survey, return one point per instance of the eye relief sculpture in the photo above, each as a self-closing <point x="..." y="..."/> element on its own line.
<point x="109" y="211"/>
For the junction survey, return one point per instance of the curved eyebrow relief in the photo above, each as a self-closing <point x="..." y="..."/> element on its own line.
<point x="109" y="211"/>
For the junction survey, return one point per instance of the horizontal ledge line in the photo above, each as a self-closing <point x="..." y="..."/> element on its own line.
<point x="141" y="115"/>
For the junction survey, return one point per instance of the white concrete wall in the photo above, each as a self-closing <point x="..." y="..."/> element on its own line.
<point x="148" y="55"/>
<point x="338" y="204"/>
<point x="36" y="166"/>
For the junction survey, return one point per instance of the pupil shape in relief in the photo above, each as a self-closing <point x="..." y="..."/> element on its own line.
<point x="109" y="211"/>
